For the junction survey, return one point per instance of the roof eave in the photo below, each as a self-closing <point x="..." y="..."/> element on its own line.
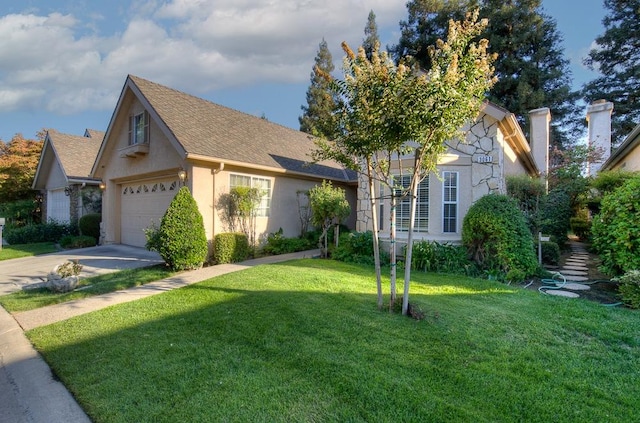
<point x="632" y="140"/>
<point x="518" y="142"/>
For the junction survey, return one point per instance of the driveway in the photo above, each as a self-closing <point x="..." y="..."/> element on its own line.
<point x="17" y="273"/>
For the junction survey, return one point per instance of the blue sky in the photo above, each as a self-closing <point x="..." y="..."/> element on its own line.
<point x="63" y="62"/>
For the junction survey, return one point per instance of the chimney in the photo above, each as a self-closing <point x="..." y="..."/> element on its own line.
<point x="599" y="119"/>
<point x="540" y="119"/>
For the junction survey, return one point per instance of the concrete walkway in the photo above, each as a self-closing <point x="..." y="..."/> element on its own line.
<point x="28" y="391"/>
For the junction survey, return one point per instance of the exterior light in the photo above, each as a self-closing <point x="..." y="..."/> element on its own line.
<point x="102" y="185"/>
<point x="67" y="191"/>
<point x="182" y="175"/>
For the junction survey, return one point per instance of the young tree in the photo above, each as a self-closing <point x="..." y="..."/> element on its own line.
<point x="371" y="38"/>
<point x="531" y="68"/>
<point x="393" y="109"/>
<point x="617" y="58"/>
<point x="18" y="163"/>
<point x="318" y="115"/>
<point x="329" y="206"/>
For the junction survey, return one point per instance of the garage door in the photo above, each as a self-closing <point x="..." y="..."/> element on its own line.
<point x="58" y="206"/>
<point x="141" y="203"/>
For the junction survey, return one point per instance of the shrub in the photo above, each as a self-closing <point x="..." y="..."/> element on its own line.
<point x="181" y="240"/>
<point x="44" y="232"/>
<point x="581" y="227"/>
<point x="616" y="229"/>
<point x="629" y="288"/>
<point x="496" y="235"/>
<point x="550" y="252"/>
<point x="276" y="244"/>
<point x="230" y="247"/>
<point x="515" y="276"/>
<point x="357" y="247"/>
<point x="81" y="241"/>
<point x="431" y="256"/>
<point x="555" y="215"/>
<point x="528" y="193"/>
<point x="89" y="225"/>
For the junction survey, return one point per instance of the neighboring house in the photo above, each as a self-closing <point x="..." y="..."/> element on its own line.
<point x="627" y="155"/>
<point x="495" y="147"/>
<point x="62" y="176"/>
<point x="159" y="139"/>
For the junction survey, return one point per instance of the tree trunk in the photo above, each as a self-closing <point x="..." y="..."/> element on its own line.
<point x="415" y="180"/>
<point x="393" y="249"/>
<point x="376" y="243"/>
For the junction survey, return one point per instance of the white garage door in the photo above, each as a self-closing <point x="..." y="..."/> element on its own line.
<point x="141" y="203"/>
<point x="58" y="206"/>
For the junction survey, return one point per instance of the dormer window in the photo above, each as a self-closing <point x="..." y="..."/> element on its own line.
<point x="139" y="129"/>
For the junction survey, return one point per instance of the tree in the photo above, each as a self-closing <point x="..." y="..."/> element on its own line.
<point x="531" y="69"/>
<point x="318" y="116"/>
<point x="371" y="38"/>
<point x="397" y="110"/>
<point x="617" y="58"/>
<point x="329" y="206"/>
<point x="18" y="162"/>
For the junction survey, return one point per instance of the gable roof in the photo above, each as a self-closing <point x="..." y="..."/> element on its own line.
<point x="75" y="155"/>
<point x="202" y="130"/>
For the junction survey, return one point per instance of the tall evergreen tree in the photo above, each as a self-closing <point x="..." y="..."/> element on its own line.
<point x="531" y="68"/>
<point x="617" y="58"/>
<point x="370" y="35"/>
<point x="318" y="118"/>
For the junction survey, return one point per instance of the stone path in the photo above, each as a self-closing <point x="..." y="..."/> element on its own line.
<point x="575" y="270"/>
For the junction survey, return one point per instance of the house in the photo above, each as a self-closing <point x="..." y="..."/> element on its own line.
<point x="627" y="155"/>
<point x="159" y="139"/>
<point x="495" y="148"/>
<point x="62" y="176"/>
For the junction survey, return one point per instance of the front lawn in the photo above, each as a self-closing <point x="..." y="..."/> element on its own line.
<point x="25" y="250"/>
<point x="96" y="285"/>
<point x="303" y="341"/>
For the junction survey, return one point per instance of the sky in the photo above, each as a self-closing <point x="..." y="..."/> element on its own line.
<point x="63" y="63"/>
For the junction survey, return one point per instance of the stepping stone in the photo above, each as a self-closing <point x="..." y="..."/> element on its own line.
<point x="577" y="262"/>
<point x="568" y="272"/>
<point x="576" y="287"/>
<point x="561" y="293"/>
<point x="575" y="267"/>
<point x="576" y="278"/>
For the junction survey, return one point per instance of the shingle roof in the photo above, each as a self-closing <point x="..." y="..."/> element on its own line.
<point x="76" y="153"/>
<point x="207" y="129"/>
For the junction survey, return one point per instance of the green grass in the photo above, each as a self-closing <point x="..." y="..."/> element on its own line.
<point x="26" y="250"/>
<point x="96" y="285"/>
<point x="303" y="342"/>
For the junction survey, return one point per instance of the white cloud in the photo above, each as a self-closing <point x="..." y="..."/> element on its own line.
<point x="52" y="62"/>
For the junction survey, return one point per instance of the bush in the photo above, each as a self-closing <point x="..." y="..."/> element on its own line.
<point x="629" y="288"/>
<point x="230" y="247"/>
<point x="357" y="247"/>
<point x="496" y="235"/>
<point x="616" y="229"/>
<point x="581" y="227"/>
<point x="44" y="232"/>
<point x="431" y="256"/>
<point x="276" y="244"/>
<point x="181" y="240"/>
<point x="550" y="252"/>
<point x="555" y="215"/>
<point x="81" y="241"/>
<point x="89" y="225"/>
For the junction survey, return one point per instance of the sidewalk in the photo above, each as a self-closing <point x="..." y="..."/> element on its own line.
<point x="28" y="390"/>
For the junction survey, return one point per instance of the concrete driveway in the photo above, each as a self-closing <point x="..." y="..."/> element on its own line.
<point x="18" y="273"/>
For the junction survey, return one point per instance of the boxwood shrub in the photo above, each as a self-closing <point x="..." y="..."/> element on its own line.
<point x="230" y="247"/>
<point x="497" y="237"/>
<point x="629" y="288"/>
<point x="181" y="240"/>
<point x="80" y="241"/>
<point x="89" y="225"/>
<point x="44" y="232"/>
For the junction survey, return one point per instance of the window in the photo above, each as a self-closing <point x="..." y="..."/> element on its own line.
<point x="139" y="129"/>
<point x="262" y="184"/>
<point x="450" y="202"/>
<point x="403" y="208"/>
